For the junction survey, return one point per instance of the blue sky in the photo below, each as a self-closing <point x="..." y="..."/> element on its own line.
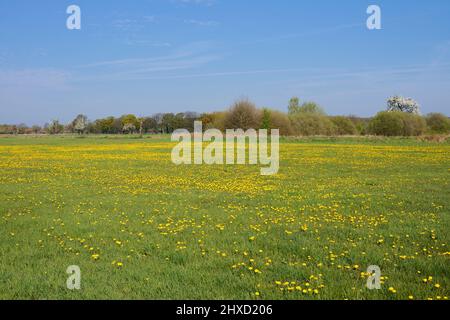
<point x="149" y="56"/>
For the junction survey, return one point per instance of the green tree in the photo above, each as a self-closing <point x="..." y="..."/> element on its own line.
<point x="149" y="125"/>
<point x="306" y="107"/>
<point x="167" y="122"/>
<point x="265" y="122"/>
<point x="311" y="107"/>
<point x="105" y="125"/>
<point x="130" y="123"/>
<point x="294" y="105"/>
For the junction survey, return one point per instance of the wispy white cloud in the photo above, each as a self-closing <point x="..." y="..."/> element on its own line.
<point x="127" y="24"/>
<point x="310" y="74"/>
<point x="304" y="34"/>
<point x="133" y="24"/>
<point x="202" y="23"/>
<point x="188" y="57"/>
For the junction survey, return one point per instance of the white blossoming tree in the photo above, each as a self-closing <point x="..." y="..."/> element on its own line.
<point x="80" y="124"/>
<point x="401" y="104"/>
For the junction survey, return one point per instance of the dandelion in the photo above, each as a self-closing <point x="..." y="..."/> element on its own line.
<point x="95" y="256"/>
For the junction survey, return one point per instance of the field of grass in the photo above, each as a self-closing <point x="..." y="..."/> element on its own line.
<point x="140" y="227"/>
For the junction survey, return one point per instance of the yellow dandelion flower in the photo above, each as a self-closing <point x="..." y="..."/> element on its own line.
<point x="95" y="256"/>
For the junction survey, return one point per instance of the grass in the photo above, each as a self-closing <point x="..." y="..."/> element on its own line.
<point x="140" y="227"/>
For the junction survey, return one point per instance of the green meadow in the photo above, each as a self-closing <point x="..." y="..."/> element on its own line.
<point x="140" y="227"/>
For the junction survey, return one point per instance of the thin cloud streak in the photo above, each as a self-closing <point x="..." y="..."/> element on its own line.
<point x="310" y="33"/>
<point x="324" y="75"/>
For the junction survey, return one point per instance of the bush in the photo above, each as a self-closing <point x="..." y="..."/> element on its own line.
<point x="272" y="119"/>
<point x="438" y="123"/>
<point x="397" y="124"/>
<point x="214" y="120"/>
<point x="413" y="125"/>
<point x="361" y="124"/>
<point x="243" y="115"/>
<point x="311" y="124"/>
<point x="344" y="126"/>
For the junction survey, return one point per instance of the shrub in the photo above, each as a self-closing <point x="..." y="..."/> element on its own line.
<point x="434" y="138"/>
<point x="413" y="125"/>
<point x="397" y="124"/>
<point x="272" y="119"/>
<point x="386" y="124"/>
<point x="438" y="123"/>
<point x="344" y="126"/>
<point x="361" y="124"/>
<point x="311" y="124"/>
<point x="243" y="115"/>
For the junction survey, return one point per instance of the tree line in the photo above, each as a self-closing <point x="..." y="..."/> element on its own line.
<point x="401" y="118"/>
<point x="160" y="123"/>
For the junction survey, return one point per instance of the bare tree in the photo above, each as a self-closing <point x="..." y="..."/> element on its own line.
<point x="243" y="115"/>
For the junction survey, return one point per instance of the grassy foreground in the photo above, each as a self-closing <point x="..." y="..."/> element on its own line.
<point x="140" y="227"/>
